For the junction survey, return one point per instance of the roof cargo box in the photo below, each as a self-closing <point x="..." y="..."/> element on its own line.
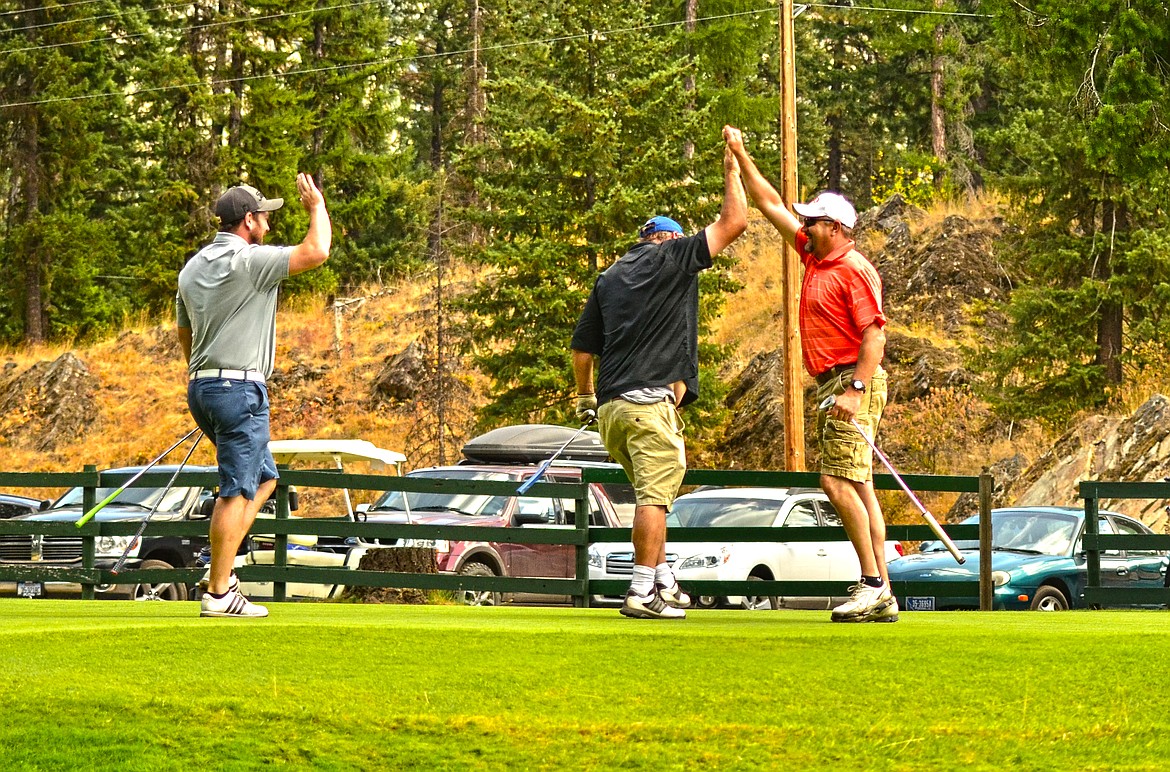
<point x="533" y="443"/>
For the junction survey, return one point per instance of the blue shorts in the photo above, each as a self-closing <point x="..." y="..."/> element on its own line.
<point x="234" y="416"/>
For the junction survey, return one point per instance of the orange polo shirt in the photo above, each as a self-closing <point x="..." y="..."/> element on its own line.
<point x="840" y="296"/>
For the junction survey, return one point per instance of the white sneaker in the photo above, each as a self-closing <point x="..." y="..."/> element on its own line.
<point x="674" y="596"/>
<point x="233" y="582"/>
<point x="650" y="606"/>
<point x="887" y="614"/>
<point x="233" y="604"/>
<point x="865" y="602"/>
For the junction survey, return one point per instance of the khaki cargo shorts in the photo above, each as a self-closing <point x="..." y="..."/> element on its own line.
<point x="647" y="441"/>
<point x="844" y="453"/>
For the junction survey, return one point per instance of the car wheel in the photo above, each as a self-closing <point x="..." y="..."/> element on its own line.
<point x="707" y="601"/>
<point x="760" y="602"/>
<point x="161" y="591"/>
<point x="478" y="597"/>
<point x="1049" y="598"/>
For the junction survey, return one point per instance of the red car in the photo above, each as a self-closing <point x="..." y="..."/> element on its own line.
<point x="610" y="506"/>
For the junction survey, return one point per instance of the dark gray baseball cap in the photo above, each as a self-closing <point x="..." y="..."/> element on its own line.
<point x="238" y="201"/>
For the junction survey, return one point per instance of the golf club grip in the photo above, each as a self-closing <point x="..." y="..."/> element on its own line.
<point x="535" y="478"/>
<point x="942" y="536"/>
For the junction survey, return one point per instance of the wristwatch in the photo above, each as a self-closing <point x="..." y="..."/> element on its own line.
<point x="858" y="385"/>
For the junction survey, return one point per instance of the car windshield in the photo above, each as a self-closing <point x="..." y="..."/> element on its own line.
<point x="458" y="503"/>
<point x="146" y="498"/>
<point x="1042" y="533"/>
<point x="721" y="512"/>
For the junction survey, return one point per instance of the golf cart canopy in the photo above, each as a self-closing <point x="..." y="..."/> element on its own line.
<point x="337" y="452"/>
<point x="533" y="443"/>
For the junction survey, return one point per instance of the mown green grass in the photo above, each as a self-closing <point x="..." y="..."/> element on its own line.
<point x="125" y="686"/>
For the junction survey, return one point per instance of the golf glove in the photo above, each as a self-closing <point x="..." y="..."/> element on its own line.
<point x="587" y="408"/>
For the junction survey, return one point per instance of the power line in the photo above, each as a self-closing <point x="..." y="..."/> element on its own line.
<point x="81" y="19"/>
<point x="193" y="28"/>
<point x="396" y="60"/>
<point x="62" y="5"/>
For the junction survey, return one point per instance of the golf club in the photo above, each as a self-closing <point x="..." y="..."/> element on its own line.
<point x="827" y="403"/>
<point x="142" y="527"/>
<point x="98" y="507"/>
<point x="544" y="465"/>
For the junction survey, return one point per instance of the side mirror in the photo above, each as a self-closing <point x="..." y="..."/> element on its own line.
<point x="45" y="504"/>
<point x="531" y="518"/>
<point x="294" y="500"/>
<point x="206" y="507"/>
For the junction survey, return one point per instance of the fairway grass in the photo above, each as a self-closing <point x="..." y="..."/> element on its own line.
<point x="151" y="686"/>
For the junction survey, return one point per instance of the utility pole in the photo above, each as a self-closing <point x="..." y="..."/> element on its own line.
<point x="793" y="375"/>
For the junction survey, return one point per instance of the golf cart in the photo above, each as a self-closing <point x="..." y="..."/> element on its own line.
<point x="309" y="550"/>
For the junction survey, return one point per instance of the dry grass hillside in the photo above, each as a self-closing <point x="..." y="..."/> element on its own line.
<point x="368" y="370"/>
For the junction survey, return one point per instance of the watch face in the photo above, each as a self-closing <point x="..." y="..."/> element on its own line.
<point x="858" y="385"/>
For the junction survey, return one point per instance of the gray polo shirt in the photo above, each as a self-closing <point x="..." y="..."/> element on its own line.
<point x="227" y="296"/>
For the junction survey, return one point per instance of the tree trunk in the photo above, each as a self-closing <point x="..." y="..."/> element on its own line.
<point x="938" y="124"/>
<point x="29" y="169"/>
<point x="692" y="14"/>
<point x="1109" y="321"/>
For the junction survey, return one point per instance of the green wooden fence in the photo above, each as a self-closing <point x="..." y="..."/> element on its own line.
<point x="88" y="574"/>
<point x="1093" y="492"/>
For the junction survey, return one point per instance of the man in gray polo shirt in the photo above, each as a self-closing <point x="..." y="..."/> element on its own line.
<point x="226" y="313"/>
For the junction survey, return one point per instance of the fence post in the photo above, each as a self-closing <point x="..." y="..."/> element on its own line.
<point x="582" y="550"/>
<point x="986" y="591"/>
<point x="1092" y="554"/>
<point x="88" y="540"/>
<point x="280" y="544"/>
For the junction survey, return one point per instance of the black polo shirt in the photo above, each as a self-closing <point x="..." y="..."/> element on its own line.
<point x="642" y="318"/>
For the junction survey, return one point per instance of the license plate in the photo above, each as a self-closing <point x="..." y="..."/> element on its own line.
<point x="29" y="589"/>
<point x="920" y="603"/>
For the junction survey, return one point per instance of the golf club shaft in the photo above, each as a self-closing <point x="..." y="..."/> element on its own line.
<point x="926" y="515"/>
<point x="101" y="504"/>
<point x="544" y="465"/>
<point x="142" y="527"/>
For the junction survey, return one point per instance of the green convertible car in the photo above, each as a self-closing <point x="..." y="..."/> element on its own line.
<point x="1037" y="562"/>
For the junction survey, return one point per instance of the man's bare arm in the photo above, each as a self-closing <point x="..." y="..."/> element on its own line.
<point x="732" y="220"/>
<point x="766" y="198"/>
<point x="314" y="248"/>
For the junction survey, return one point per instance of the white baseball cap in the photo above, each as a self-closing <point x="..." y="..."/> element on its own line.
<point x="831" y="205"/>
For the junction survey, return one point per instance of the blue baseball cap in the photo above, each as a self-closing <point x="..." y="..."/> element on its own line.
<point x="658" y="225"/>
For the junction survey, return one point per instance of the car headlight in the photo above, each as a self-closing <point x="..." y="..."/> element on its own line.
<point x="705" y="561"/>
<point x="114" y="546"/>
<point x="1000" y="578"/>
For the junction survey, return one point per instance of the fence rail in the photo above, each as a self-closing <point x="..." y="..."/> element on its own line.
<point x="579" y="536"/>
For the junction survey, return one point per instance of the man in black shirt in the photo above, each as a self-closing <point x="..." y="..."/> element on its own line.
<point x="641" y="319"/>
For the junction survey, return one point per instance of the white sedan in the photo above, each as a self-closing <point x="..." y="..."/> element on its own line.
<point x="745" y="561"/>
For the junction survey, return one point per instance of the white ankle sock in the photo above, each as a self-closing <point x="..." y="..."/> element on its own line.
<point x="643" y="582"/>
<point x="663" y="575"/>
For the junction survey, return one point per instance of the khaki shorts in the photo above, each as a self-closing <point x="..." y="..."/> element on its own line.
<point x="647" y="441"/>
<point x="844" y="453"/>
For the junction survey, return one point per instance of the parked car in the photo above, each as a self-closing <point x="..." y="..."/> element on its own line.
<point x="12" y="505"/>
<point x="149" y="552"/>
<point x="1038" y="562"/>
<point x="509" y="454"/>
<point x="778" y="508"/>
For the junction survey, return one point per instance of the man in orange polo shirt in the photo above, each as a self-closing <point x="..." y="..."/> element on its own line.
<point x="842" y="342"/>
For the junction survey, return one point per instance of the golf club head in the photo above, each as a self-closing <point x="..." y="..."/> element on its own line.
<point x="827" y="402"/>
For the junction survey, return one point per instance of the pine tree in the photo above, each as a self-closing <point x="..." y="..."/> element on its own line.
<point x="586" y="137"/>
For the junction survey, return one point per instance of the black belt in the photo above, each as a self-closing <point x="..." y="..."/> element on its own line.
<point x="833" y="372"/>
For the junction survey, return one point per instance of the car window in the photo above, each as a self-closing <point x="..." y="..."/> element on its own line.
<point x="829" y="513"/>
<point x="724" y="512"/>
<point x="596" y="516"/>
<point x="146" y="498"/>
<point x="545" y="508"/>
<point x="621" y="496"/>
<point x="1132" y="529"/>
<point x="444" y="501"/>
<point x="802" y="514"/>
